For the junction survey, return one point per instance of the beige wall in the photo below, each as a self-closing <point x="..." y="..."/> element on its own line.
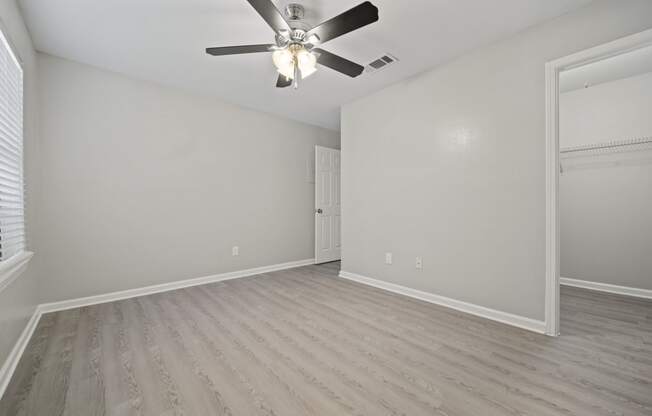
<point x="18" y="301"/>
<point x="148" y="185"/>
<point x="449" y="166"/>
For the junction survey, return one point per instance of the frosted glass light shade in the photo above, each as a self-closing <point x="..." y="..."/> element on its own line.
<point x="307" y="63"/>
<point x="285" y="59"/>
<point x="284" y="62"/>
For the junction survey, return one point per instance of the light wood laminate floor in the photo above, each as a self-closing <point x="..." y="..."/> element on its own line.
<point x="304" y="342"/>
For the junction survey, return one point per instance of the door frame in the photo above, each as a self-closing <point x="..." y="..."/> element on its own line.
<point x="552" y="70"/>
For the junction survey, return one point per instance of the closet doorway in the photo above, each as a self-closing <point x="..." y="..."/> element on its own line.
<point x="599" y="162"/>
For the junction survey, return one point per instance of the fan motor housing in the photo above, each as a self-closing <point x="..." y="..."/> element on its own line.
<point x="294" y="14"/>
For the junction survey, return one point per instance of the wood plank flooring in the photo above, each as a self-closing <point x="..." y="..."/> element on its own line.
<point x="304" y="342"/>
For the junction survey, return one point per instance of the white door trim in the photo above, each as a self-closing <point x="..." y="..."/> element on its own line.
<point x="552" y="69"/>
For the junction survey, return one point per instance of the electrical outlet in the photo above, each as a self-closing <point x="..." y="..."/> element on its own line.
<point x="388" y="258"/>
<point x="418" y="263"/>
<point x="235" y="251"/>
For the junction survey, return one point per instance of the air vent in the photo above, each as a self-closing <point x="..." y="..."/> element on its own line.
<point x="381" y="63"/>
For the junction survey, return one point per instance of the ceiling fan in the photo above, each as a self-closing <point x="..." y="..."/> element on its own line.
<point x="295" y="53"/>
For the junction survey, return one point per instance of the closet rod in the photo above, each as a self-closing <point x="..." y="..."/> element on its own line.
<point x="611" y="145"/>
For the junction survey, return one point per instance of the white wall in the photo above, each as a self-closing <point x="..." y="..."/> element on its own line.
<point x="614" y="110"/>
<point x="605" y="198"/>
<point x="18" y="301"/>
<point x="147" y="185"/>
<point x="449" y="166"/>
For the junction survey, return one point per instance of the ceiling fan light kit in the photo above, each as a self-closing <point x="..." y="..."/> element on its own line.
<point x="294" y="52"/>
<point x="294" y="57"/>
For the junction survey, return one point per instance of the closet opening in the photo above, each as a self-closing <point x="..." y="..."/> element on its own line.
<point x="600" y="197"/>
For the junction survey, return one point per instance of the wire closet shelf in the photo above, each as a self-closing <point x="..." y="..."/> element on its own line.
<point x="634" y="144"/>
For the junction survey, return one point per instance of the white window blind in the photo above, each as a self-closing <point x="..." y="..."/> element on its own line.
<point x="12" y="220"/>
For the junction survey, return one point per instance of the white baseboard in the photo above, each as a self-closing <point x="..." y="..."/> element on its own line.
<point x="605" y="287"/>
<point x="165" y="287"/>
<point x="503" y="317"/>
<point x="11" y="362"/>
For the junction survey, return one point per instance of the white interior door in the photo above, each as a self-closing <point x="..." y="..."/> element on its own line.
<point x="327" y="204"/>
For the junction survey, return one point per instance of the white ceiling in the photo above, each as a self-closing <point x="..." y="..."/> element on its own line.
<point x="621" y="66"/>
<point x="164" y="41"/>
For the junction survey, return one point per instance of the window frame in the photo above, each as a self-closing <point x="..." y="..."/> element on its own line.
<point x="12" y="267"/>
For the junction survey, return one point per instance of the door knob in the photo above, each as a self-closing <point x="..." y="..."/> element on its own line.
<point x="319" y="211"/>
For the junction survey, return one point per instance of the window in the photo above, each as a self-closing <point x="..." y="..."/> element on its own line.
<point x="12" y="222"/>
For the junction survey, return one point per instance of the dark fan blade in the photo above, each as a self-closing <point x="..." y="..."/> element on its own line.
<point x="338" y="63"/>
<point x="270" y="13"/>
<point x="234" y="50"/>
<point x="283" y="82"/>
<point x="355" y="18"/>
